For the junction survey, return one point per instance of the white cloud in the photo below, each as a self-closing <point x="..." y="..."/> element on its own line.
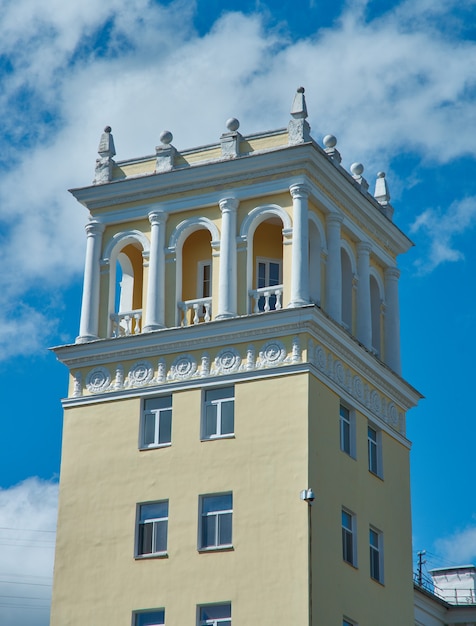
<point x="442" y="229"/>
<point x="459" y="548"/>
<point x="27" y="536"/>
<point x="382" y="87"/>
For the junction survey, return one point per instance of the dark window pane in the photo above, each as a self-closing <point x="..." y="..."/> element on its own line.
<point x="162" y="402"/>
<point x="215" y="611"/>
<point x="160" y="530"/>
<point x="222" y="502"/>
<point x="218" y="394"/>
<point x="165" y="426"/>
<point x="274" y="274"/>
<point x="145" y="538"/>
<point x="261" y="275"/>
<point x="227" y="417"/>
<point x="224" y="529"/>
<point x="208" y="530"/>
<point x="149" y="429"/>
<point x="154" y="510"/>
<point x="150" y="618"/>
<point x="210" y="426"/>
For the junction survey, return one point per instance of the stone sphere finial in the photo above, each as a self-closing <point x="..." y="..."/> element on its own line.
<point x="357" y="169"/>
<point x="166" y="137"/>
<point x="300" y="89"/>
<point x="380" y="174"/>
<point x="232" y="124"/>
<point x="108" y="129"/>
<point x="330" y="141"/>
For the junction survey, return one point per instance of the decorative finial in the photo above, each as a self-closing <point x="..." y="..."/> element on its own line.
<point x="232" y="124"/>
<point x="165" y="153"/>
<point x="230" y="141"/>
<point x="357" y="170"/>
<point x="298" y="128"/>
<point x="330" y="143"/>
<point x="105" y="163"/>
<point x="382" y="195"/>
<point x="166" y="137"/>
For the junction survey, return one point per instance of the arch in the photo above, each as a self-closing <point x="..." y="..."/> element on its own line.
<point x="182" y="232"/>
<point x="316" y="245"/>
<point x="376" y="299"/>
<point x="348" y="272"/>
<point x="125" y="252"/>
<point x="187" y="227"/>
<point x="260" y="214"/>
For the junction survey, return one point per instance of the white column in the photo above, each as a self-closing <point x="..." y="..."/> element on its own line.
<point x="334" y="268"/>
<point x="364" y="314"/>
<point x="227" y="279"/>
<point x="392" y="319"/>
<point x="300" y="249"/>
<point x="88" y="326"/>
<point x="155" y="305"/>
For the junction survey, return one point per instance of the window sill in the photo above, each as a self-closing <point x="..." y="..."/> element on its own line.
<point x="226" y="548"/>
<point x="154" y="555"/>
<point x="352" y="565"/>
<point x="379" y="582"/>
<point x="155" y="446"/>
<point x="218" y="437"/>
<point x="376" y="475"/>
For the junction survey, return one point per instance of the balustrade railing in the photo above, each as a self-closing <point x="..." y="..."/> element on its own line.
<point x="195" y="311"/>
<point x="126" y="323"/>
<point x="266" y="299"/>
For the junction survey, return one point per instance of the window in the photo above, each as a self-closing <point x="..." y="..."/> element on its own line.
<point x="152" y="528"/>
<point x="349" y="543"/>
<point x="268" y="274"/>
<point x="216" y="512"/>
<point x="215" y="615"/>
<point x="376" y="553"/>
<point x="218" y="413"/>
<point x="149" y="618"/>
<point x="374" y="450"/>
<point x="156" y="426"/>
<point x="204" y="287"/>
<point x="346" y="622"/>
<point x="347" y="431"/>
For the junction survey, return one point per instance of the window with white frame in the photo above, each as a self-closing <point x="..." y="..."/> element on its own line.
<point x="215" y="614"/>
<point x="268" y="274"/>
<point x="376" y="554"/>
<point x="216" y="519"/>
<point x="218" y="415"/>
<point x="155" y="617"/>
<point x="156" y="423"/>
<point x="349" y="542"/>
<point x="374" y="445"/>
<point x="152" y="522"/>
<point x="347" y="430"/>
<point x="204" y="286"/>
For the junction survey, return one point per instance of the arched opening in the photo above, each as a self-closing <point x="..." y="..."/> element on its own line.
<point x="126" y="299"/>
<point x="347" y="290"/>
<point x="375" y="308"/>
<point x="267" y="266"/>
<point x="196" y="294"/>
<point x="315" y="250"/>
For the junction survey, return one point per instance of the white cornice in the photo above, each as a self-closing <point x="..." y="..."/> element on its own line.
<point x="240" y="330"/>
<point x="274" y="170"/>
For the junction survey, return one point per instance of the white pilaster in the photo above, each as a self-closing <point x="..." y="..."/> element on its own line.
<point x="227" y="279"/>
<point x="392" y="319"/>
<point x="334" y="268"/>
<point x="364" y="314"/>
<point x="88" y="326"/>
<point x="155" y="306"/>
<point x="300" y="249"/>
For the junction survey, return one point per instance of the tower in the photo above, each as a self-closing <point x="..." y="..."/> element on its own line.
<point x="234" y="443"/>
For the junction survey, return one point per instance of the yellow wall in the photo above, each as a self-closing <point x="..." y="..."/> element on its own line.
<point x="104" y="475"/>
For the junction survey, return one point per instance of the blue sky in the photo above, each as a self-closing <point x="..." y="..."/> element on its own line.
<point x="394" y="81"/>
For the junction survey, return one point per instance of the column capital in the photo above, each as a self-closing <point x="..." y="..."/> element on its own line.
<point x="94" y="228"/>
<point x="392" y="273"/>
<point x="228" y="205"/>
<point x="364" y="247"/>
<point x="157" y="217"/>
<point x="334" y="219"/>
<point x="299" y="190"/>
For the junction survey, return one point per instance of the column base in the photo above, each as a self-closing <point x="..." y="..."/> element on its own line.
<point x="298" y="303"/>
<point x="151" y="327"/>
<point x="225" y="316"/>
<point x="86" y="338"/>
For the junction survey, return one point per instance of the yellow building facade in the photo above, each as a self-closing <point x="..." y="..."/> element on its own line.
<point x="234" y="443"/>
